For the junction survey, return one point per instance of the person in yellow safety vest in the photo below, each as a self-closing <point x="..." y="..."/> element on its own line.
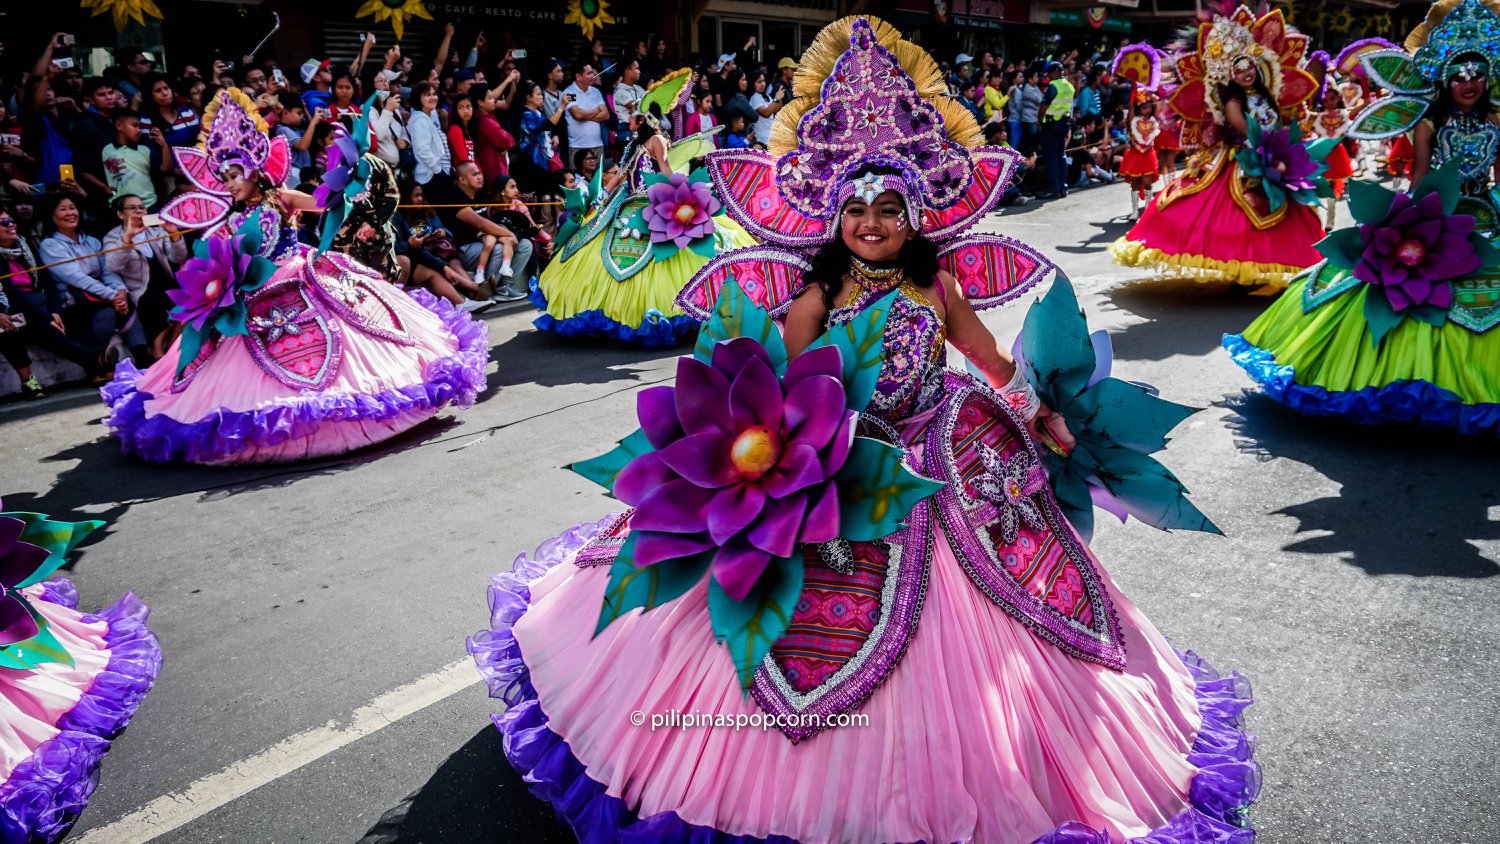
<point x="1057" y="109"/>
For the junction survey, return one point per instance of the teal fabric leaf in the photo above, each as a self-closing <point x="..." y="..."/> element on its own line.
<point x="1380" y="317"/>
<point x="604" y="469"/>
<point x="737" y="315"/>
<point x="253" y="238"/>
<point x="1056" y="347"/>
<point x="750" y="627"/>
<point x="1368" y="202"/>
<point x="189" y="346"/>
<point x="333" y="220"/>
<point x="647" y="588"/>
<point x="1072" y="493"/>
<point x="704" y="247"/>
<point x="1344" y="248"/>
<point x="1129" y="415"/>
<point x="1150" y="492"/>
<point x="663" y="250"/>
<point x="232" y="320"/>
<point x="32" y="653"/>
<point x="699" y="176"/>
<point x="57" y="538"/>
<point x="861" y="341"/>
<point x="1444" y="182"/>
<point x="876" y="491"/>
<point x="1485" y="251"/>
<point x="1430" y="314"/>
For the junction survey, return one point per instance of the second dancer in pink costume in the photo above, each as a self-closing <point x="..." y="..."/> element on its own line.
<point x="288" y="353"/>
<point x="868" y="532"/>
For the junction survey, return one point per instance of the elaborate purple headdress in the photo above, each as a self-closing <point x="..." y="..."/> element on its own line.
<point x="871" y="114"/>
<point x="233" y="134"/>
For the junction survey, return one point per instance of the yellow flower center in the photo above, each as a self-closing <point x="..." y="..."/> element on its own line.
<point x="685" y="214"/>
<point x="755" y="452"/>
<point x="211" y="290"/>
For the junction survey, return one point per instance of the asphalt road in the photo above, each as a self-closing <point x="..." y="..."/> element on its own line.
<point x="1356" y="586"/>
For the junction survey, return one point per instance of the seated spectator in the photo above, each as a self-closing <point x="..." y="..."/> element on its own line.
<point x="147" y="259"/>
<point x="736" y="135"/>
<point x="468" y="225"/>
<point x="101" y="306"/>
<point x="31" y="312"/>
<point x="420" y="238"/>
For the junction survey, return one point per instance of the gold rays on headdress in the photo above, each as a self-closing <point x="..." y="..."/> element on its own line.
<point x="1418" y="37"/>
<point x="817" y="64"/>
<point x="240" y="98"/>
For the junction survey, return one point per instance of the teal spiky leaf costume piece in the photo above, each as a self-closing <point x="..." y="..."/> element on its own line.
<point x="32" y="547"/>
<point x="1118" y="424"/>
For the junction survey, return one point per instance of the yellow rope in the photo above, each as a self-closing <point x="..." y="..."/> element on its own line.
<point x="85" y="257"/>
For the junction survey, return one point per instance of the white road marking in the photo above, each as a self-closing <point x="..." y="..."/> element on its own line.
<point x="171" y="811"/>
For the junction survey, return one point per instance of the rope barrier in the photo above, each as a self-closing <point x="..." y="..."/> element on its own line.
<point x="86" y="257"/>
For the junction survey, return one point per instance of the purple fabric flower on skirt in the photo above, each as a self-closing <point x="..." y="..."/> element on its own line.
<point x="208" y="285"/>
<point x="1415" y="250"/>
<point x="18" y="561"/>
<point x="1287" y="163"/>
<point x="680" y="211"/>
<point x="744" y="461"/>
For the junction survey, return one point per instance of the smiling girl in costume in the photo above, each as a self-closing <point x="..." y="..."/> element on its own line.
<point x="867" y="531"/>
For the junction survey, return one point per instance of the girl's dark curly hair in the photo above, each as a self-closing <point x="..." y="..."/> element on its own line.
<point x="918" y="259"/>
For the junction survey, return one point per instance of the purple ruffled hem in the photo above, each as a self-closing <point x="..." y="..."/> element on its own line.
<point x="1227" y="782"/>
<point x="457" y="378"/>
<point x="1422" y="402"/>
<point x="45" y="794"/>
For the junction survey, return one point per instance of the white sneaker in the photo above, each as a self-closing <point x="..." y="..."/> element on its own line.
<point x="470" y="306"/>
<point x="506" y="271"/>
<point x="479" y="276"/>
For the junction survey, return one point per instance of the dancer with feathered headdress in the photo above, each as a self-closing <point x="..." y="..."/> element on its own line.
<point x="1242" y="210"/>
<point x="1399" y="321"/>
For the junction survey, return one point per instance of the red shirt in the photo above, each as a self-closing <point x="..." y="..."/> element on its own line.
<point x="490" y="146"/>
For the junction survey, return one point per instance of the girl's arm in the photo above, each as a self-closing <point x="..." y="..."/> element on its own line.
<point x="1234" y="114"/>
<point x="804" y="320"/>
<point x="296" y="200"/>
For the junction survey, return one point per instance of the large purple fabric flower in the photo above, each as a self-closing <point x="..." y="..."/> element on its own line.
<point x="681" y="210"/>
<point x="208" y="285"/>
<point x="18" y="561"/>
<point x="1415" y="250"/>
<point x="744" y="461"/>
<point x="339" y="170"/>
<point x="1286" y="163"/>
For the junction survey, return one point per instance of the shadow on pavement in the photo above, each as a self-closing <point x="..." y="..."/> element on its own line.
<point x="102" y="474"/>
<point x="1108" y="232"/>
<point x="537" y="357"/>
<point x="1400" y="510"/>
<point x="474" y="796"/>
<point x="1182" y="317"/>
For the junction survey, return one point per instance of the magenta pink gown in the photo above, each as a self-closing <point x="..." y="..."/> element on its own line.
<point x="1010" y="693"/>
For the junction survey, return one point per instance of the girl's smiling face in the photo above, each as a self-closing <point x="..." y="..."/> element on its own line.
<point x="876" y="231"/>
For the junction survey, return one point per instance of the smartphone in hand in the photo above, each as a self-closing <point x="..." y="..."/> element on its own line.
<point x="65" y="172"/>
<point x="151" y="221"/>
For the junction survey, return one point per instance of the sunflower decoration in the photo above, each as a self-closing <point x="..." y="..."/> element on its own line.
<point x="590" y="15"/>
<point x="395" y="11"/>
<point x="1383" y="23"/>
<point x="1342" y="20"/>
<point x="1313" y="16"/>
<point x="123" y="10"/>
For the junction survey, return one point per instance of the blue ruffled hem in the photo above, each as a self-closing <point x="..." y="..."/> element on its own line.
<point x="457" y="378"/>
<point x="656" y="331"/>
<point x="1227" y="781"/>
<point x="45" y="794"/>
<point x="1400" y="401"/>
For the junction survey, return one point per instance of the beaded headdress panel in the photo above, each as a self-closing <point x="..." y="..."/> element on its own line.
<point x="870" y="115"/>
<point x="1211" y="54"/>
<point x="1453" y="28"/>
<point x="865" y="98"/>
<point x="233" y="134"/>
<point x="1412" y="78"/>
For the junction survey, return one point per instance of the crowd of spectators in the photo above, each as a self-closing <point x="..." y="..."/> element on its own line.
<point x="482" y="142"/>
